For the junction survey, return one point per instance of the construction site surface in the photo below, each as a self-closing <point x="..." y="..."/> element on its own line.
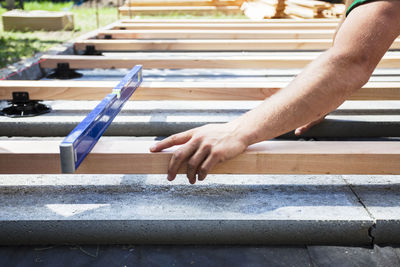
<point x="337" y="184"/>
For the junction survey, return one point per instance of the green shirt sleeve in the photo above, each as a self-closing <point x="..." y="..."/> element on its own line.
<point x="355" y="4"/>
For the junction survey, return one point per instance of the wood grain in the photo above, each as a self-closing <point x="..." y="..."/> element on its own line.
<point x="216" y="34"/>
<point x="229" y="21"/>
<point x="207" y="45"/>
<point x="96" y="90"/>
<point x="149" y="3"/>
<point x="143" y="10"/>
<point x="225" y="26"/>
<point x="210" y="45"/>
<point x="201" y="61"/>
<point x="270" y="157"/>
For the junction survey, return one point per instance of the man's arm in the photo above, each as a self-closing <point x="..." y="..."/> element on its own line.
<point x="360" y="43"/>
<point x="302" y="129"/>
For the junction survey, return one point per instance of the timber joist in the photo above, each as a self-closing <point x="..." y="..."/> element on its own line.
<point x="230" y="21"/>
<point x="95" y="90"/>
<point x="272" y="157"/>
<point x="184" y="3"/>
<point x="215" y="34"/>
<point x="134" y="7"/>
<point x="195" y="10"/>
<point x="225" y="26"/>
<point x="197" y="61"/>
<point x="204" y="45"/>
<point x="209" y="45"/>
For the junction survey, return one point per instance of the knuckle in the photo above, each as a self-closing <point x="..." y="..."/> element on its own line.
<point x="173" y="138"/>
<point x="207" y="146"/>
<point x="219" y="156"/>
<point x="197" y="138"/>
<point x="217" y="153"/>
<point x="191" y="164"/>
<point x="178" y="155"/>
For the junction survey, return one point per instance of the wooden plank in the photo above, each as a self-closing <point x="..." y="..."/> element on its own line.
<point x="209" y="45"/>
<point x="231" y="26"/>
<point x="277" y="61"/>
<point x="171" y="62"/>
<point x="216" y="34"/>
<point x="229" y="21"/>
<point x="258" y="10"/>
<point x="127" y="11"/>
<point x="95" y="90"/>
<point x="35" y="20"/>
<point x="53" y="90"/>
<point x="310" y="3"/>
<point x="111" y="155"/>
<point x="149" y="3"/>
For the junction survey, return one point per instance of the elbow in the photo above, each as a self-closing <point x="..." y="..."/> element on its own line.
<point x="355" y="67"/>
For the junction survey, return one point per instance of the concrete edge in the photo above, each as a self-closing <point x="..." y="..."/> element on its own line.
<point x="233" y="232"/>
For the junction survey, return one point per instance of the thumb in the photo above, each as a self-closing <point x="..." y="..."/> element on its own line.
<point x="301" y="130"/>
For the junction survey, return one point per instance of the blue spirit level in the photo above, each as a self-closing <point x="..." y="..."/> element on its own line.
<point x="75" y="147"/>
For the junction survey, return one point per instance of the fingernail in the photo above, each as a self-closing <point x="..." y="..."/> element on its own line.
<point x="169" y="178"/>
<point x="153" y="147"/>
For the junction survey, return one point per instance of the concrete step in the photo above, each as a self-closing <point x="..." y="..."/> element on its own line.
<point x="224" y="209"/>
<point x="362" y="119"/>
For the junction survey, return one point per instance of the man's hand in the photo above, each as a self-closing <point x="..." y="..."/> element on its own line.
<point x="202" y="149"/>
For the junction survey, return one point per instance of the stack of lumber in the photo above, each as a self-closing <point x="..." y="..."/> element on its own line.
<point x="36" y="20"/>
<point x="263" y="9"/>
<point x="308" y="8"/>
<point x="143" y="7"/>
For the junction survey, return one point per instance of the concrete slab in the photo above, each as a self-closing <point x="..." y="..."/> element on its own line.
<point x="157" y="256"/>
<point x="380" y="195"/>
<point x="333" y="256"/>
<point x="147" y="209"/>
<point x="210" y="256"/>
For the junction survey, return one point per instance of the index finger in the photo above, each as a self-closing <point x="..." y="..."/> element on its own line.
<point x="173" y="140"/>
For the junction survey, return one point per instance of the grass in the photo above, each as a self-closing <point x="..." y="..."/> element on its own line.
<point x="19" y="45"/>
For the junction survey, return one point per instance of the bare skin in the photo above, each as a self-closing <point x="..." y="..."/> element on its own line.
<point x="324" y="84"/>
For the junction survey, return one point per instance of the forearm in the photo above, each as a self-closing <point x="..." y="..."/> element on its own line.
<point x="359" y="45"/>
<point x="319" y="89"/>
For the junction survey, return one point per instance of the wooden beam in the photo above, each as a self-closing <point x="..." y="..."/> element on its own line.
<point x="127" y="11"/>
<point x="209" y="45"/>
<point x="149" y="3"/>
<point x="171" y="62"/>
<point x="206" y="45"/>
<point x="261" y="61"/>
<point x="56" y="90"/>
<point x="225" y="26"/>
<point x="216" y="34"/>
<point x="95" y="90"/>
<point x="229" y="21"/>
<point x="111" y="155"/>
